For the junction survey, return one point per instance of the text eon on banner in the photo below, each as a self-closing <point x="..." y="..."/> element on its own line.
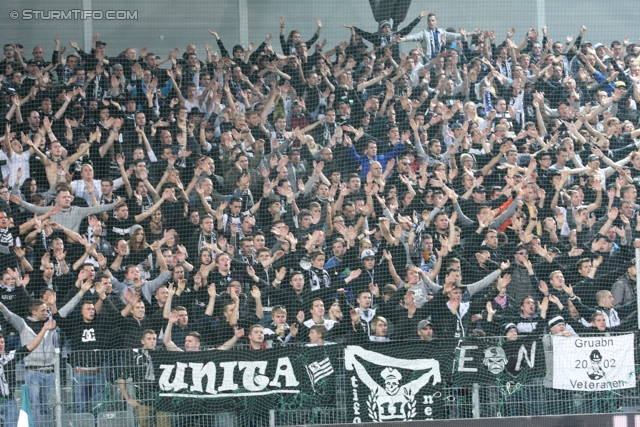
<point x="594" y="363"/>
<point x="385" y="387"/>
<point x="489" y="359"/>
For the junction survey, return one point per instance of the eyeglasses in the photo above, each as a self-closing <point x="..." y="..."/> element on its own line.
<point x="522" y="253"/>
<point x="406" y="164"/>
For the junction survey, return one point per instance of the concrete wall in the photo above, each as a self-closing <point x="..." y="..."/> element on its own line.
<point x="161" y="24"/>
<point x="164" y="24"/>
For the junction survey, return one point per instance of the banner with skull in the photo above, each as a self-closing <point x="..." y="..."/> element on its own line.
<point x="498" y="360"/>
<point x="384" y="387"/>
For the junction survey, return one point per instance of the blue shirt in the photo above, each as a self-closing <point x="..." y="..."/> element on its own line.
<point x="365" y="162"/>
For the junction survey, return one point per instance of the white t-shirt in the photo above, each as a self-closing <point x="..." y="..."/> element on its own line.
<point x="18" y="161"/>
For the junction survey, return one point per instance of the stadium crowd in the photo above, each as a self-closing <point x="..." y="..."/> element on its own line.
<point x="477" y="185"/>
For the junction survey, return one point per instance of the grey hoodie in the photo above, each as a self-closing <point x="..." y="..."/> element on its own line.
<point x="70" y="217"/>
<point x="44" y="354"/>
<point x="426" y="286"/>
<point x="148" y="288"/>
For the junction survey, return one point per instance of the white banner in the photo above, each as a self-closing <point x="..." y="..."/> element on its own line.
<point x="593" y="363"/>
<point x="386" y="388"/>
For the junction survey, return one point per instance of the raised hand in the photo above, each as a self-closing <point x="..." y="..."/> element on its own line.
<point x="355" y="316"/>
<point x="50" y="325"/>
<point x="173" y="317"/>
<point x="86" y="286"/>
<point x="375" y="291"/>
<point x="490" y="310"/>
<point x="255" y="292"/>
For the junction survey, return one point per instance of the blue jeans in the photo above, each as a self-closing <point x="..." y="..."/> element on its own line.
<point x="10" y="412"/>
<point x="41" y="390"/>
<point x="88" y="392"/>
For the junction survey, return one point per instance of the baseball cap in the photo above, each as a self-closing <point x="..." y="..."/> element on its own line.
<point x="621" y="84"/>
<point x="424" y="323"/>
<point x="32" y="62"/>
<point x="234" y="279"/>
<point x="368" y="253"/>
<point x="593" y="157"/>
<point x="273" y="199"/>
<point x="598" y="45"/>
<point x="99" y="43"/>
<point x="456" y="126"/>
<point x="554" y="250"/>
<point x="603" y="237"/>
<point x="479" y="189"/>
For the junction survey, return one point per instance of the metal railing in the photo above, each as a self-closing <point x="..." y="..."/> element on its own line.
<point x="94" y="398"/>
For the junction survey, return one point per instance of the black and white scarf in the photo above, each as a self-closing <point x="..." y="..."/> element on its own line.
<point x="144" y="358"/>
<point x="319" y="278"/>
<point x="202" y="239"/>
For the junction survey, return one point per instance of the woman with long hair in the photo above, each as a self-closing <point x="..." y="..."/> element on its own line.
<point x="140" y="253"/>
<point x="28" y="188"/>
<point x="289" y="45"/>
<point x="154" y="226"/>
<point x="205" y="259"/>
<point x="471" y="114"/>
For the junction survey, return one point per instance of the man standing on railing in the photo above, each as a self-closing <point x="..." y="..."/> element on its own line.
<point x="39" y="375"/>
<point x="89" y="333"/>
<point x="140" y="370"/>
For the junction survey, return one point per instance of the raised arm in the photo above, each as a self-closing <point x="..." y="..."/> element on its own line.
<point x="48" y="326"/>
<point x="238" y="333"/>
<point x="211" y="290"/>
<point x="168" y="193"/>
<point x="172" y="76"/>
<point x="113" y="136"/>
<point x="168" y="343"/>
